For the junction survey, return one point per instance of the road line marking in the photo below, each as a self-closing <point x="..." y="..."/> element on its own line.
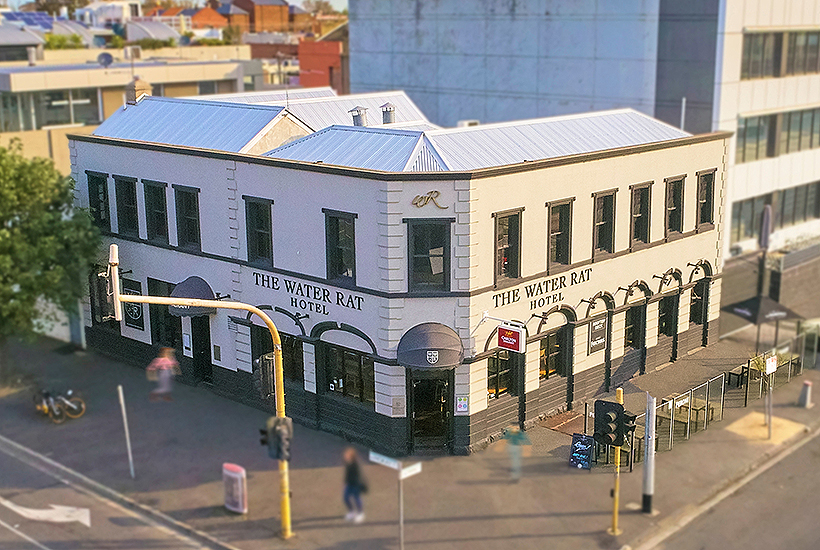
<point x="696" y="511"/>
<point x="23" y="536"/>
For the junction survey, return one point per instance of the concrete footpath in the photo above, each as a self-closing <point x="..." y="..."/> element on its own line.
<point x="456" y="502"/>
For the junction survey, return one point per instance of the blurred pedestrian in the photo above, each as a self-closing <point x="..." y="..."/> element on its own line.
<point x="515" y="440"/>
<point x="355" y="485"/>
<point x="162" y="369"/>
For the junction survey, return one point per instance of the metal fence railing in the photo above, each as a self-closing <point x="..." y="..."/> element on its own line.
<point x="678" y="417"/>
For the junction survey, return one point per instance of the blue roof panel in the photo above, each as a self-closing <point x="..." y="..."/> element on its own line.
<point x="190" y="123"/>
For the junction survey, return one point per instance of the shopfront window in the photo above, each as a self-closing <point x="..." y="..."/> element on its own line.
<point x="553" y="359"/>
<point x="634" y="327"/>
<point x="350" y="373"/>
<point x="166" y="329"/>
<point x="500" y="374"/>
<point x="667" y="315"/>
<point x="293" y="366"/>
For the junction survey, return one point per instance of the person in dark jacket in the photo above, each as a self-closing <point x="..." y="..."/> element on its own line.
<point x="354" y="486"/>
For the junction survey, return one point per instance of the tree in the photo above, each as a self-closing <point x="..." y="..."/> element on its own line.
<point x="47" y="246"/>
<point x="316" y="6"/>
<point x="231" y="34"/>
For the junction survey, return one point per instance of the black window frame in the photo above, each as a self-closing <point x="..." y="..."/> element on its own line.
<point x="635" y="326"/>
<point x="258" y="237"/>
<point x="191" y="224"/>
<point x="601" y="220"/>
<point x="98" y="204"/>
<point x="668" y="315"/>
<point x="674" y="216"/>
<point x="128" y="220"/>
<point x="156" y="215"/>
<point x="705" y="215"/>
<point x="414" y="231"/>
<point x="559" y="239"/>
<point x="640" y="208"/>
<point x="293" y="357"/>
<point x="501" y="366"/>
<point x="337" y="369"/>
<point x="334" y="250"/>
<point x="502" y="261"/>
<point x="553" y="358"/>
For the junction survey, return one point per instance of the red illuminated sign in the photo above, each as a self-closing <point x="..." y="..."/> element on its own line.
<point x="512" y="338"/>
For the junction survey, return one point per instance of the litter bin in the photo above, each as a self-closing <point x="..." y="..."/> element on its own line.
<point x="236" y="488"/>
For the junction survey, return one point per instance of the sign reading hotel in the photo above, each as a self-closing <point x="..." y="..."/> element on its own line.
<point x="307" y="296"/>
<point x="512" y="338"/>
<point x="543" y="293"/>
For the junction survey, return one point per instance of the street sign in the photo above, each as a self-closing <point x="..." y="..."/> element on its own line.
<point x="411" y="470"/>
<point x="512" y="338"/>
<point x="385" y="461"/>
<point x="771" y="364"/>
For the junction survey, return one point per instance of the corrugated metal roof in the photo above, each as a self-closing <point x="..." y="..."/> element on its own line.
<point x="268" y="96"/>
<point x="149" y="29"/>
<point x="515" y="142"/>
<point x="355" y="146"/>
<point x="205" y="124"/>
<point x="478" y="147"/>
<point x="323" y="112"/>
<point x="12" y="35"/>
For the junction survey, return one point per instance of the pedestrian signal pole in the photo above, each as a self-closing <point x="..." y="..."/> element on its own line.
<point x="619" y="397"/>
<point x="114" y="286"/>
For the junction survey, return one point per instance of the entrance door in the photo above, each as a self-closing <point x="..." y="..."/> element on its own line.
<point x="201" y="347"/>
<point x="431" y="413"/>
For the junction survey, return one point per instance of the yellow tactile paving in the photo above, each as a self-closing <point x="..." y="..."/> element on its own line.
<point x="753" y="428"/>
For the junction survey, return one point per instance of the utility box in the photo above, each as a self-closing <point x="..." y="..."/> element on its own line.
<point x="236" y="488"/>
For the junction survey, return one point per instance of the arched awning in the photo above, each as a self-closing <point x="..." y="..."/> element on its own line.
<point x="430" y="346"/>
<point x="192" y="287"/>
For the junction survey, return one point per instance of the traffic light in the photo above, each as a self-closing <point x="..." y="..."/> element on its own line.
<point x="609" y="423"/>
<point x="277" y="435"/>
<point x="630" y="420"/>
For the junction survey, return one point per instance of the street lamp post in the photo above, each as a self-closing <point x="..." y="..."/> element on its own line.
<point x="284" y="483"/>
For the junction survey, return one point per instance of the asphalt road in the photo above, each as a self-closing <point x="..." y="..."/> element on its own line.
<point x="777" y="509"/>
<point x="29" y="522"/>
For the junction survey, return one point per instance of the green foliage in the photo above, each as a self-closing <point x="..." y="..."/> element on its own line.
<point x="47" y="246"/>
<point x="315" y="6"/>
<point x="210" y="42"/>
<point x="117" y="42"/>
<point x="155" y="43"/>
<point x="231" y="34"/>
<point x="63" y="42"/>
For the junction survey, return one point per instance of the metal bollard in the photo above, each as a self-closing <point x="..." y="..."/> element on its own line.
<point x="805" y="395"/>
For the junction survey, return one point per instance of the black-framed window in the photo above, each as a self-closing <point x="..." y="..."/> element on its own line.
<point x="553" y="355"/>
<point x="259" y="227"/>
<point x="500" y="374"/>
<point x="166" y="329"/>
<point x="349" y="373"/>
<point x="293" y="359"/>
<point x="187" y="210"/>
<point x="761" y="55"/>
<point x="340" y="242"/>
<point x="156" y="211"/>
<point x="507" y="245"/>
<point x="706" y="198"/>
<point x="641" y="202"/>
<point x="127" y="216"/>
<point x="603" y="231"/>
<point x="634" y="327"/>
<point x="428" y="255"/>
<point x="697" y="303"/>
<point x="559" y="216"/>
<point x="668" y="315"/>
<point x="98" y="200"/>
<point x="674" y="205"/>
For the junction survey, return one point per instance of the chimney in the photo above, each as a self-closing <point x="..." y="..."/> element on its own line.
<point x="388" y="113"/>
<point x="31" y="52"/>
<point x="135" y="90"/>
<point x="359" y="116"/>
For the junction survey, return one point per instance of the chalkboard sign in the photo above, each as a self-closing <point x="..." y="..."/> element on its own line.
<point x="580" y="455"/>
<point x="597" y="334"/>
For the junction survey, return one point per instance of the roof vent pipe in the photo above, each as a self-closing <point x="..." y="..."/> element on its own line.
<point x="388" y="113"/>
<point x="359" y="116"/>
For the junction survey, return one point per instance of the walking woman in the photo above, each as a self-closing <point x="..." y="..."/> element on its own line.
<point x="355" y="485"/>
<point x="162" y="369"/>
